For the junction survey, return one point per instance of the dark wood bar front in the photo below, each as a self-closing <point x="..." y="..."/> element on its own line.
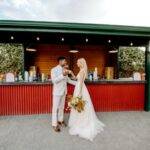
<point x="36" y="98"/>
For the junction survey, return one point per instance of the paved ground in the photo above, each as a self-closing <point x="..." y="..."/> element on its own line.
<point x="123" y="131"/>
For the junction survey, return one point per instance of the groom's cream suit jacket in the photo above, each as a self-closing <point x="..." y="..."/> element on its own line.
<point x="59" y="81"/>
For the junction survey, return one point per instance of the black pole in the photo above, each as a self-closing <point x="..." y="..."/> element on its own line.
<point x="147" y="71"/>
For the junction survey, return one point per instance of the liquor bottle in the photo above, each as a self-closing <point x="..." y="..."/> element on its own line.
<point x="95" y="77"/>
<point x="38" y="76"/>
<point x="26" y="76"/>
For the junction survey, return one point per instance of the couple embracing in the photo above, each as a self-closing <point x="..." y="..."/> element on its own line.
<point x="85" y="124"/>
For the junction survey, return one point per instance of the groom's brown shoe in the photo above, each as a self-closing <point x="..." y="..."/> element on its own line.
<point x="56" y="128"/>
<point x="63" y="124"/>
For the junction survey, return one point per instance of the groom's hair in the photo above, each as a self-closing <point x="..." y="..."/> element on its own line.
<point x="61" y="58"/>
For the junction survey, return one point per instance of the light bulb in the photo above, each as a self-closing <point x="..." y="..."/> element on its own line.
<point x="109" y="41"/>
<point x="86" y="39"/>
<point x="37" y="38"/>
<point x="62" y="39"/>
<point x="12" y="38"/>
<point x="131" y="44"/>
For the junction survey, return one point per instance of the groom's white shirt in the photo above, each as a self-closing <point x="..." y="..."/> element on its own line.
<point x="60" y="81"/>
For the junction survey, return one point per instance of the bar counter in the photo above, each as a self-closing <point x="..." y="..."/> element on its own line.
<point x="114" y="81"/>
<point x="36" y="97"/>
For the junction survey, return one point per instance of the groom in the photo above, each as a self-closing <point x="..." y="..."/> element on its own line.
<point x="59" y="79"/>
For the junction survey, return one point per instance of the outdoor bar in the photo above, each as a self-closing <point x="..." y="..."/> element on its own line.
<point x="29" y="90"/>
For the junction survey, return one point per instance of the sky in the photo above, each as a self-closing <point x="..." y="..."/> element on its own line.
<point x="117" y="12"/>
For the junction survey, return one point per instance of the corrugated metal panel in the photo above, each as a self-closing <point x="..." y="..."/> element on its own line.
<point x="25" y="99"/>
<point x="37" y="99"/>
<point x="117" y="97"/>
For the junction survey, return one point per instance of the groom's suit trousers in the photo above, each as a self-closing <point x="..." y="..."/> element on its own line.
<point x="58" y="108"/>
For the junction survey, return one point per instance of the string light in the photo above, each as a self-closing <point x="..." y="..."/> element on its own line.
<point x="62" y="39"/>
<point x="37" y="38"/>
<point x="12" y="38"/>
<point x="131" y="44"/>
<point x="86" y="40"/>
<point x="109" y="41"/>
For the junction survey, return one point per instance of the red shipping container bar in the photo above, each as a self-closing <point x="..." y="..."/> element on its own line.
<point x="37" y="99"/>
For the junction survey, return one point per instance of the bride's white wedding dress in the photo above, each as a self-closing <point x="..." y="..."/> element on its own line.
<point x="84" y="124"/>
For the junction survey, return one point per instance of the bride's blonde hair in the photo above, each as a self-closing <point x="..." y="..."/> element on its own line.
<point x="83" y="63"/>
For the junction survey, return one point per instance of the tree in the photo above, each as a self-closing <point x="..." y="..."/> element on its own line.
<point x="131" y="59"/>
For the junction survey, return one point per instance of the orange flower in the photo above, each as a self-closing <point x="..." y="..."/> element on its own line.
<point x="76" y="103"/>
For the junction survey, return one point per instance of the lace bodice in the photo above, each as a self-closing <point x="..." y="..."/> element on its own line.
<point x="80" y="82"/>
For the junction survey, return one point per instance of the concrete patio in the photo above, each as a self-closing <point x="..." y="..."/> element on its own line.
<point x="123" y="131"/>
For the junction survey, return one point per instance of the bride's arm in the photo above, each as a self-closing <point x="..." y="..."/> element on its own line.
<point x="73" y="82"/>
<point x="81" y="81"/>
<point x="72" y="75"/>
<point x="72" y="79"/>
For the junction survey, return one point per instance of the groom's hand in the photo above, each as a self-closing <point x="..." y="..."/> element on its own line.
<point x="70" y="72"/>
<point x="65" y="72"/>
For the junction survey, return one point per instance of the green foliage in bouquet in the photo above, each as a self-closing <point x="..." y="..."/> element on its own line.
<point x="131" y="59"/>
<point x="11" y="57"/>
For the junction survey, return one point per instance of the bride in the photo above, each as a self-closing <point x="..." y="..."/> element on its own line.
<point x="84" y="124"/>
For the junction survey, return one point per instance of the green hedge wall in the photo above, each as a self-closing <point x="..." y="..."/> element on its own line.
<point x="11" y="58"/>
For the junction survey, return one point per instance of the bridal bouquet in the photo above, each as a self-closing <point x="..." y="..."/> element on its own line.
<point x="76" y="103"/>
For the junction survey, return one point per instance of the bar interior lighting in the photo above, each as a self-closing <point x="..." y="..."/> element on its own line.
<point x="113" y="51"/>
<point x="30" y="49"/>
